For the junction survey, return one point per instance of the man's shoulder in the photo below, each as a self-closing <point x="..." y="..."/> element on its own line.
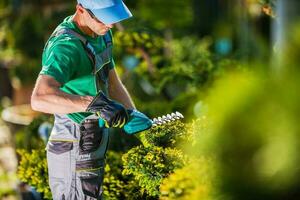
<point x="62" y="43"/>
<point x="59" y="37"/>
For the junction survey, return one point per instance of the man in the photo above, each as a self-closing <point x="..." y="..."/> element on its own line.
<point x="77" y="84"/>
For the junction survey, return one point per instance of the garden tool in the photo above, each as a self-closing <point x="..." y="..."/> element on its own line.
<point x="139" y="122"/>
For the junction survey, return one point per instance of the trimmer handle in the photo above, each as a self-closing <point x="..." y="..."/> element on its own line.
<point x="137" y="122"/>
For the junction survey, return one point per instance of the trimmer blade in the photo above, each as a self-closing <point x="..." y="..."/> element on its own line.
<point x="167" y="118"/>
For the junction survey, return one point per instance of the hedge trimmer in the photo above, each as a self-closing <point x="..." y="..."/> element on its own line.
<point x="139" y="122"/>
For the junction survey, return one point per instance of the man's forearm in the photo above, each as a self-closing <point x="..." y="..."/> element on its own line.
<point x="48" y="98"/>
<point x="120" y="94"/>
<point x="60" y="103"/>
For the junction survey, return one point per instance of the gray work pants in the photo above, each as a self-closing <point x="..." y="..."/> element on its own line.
<point x="76" y="159"/>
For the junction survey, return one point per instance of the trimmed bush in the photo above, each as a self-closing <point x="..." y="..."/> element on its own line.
<point x="149" y="165"/>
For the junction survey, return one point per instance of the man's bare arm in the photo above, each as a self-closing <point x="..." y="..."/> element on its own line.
<point x="117" y="90"/>
<point x="48" y="98"/>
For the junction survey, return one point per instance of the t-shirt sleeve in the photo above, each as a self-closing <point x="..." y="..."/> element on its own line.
<point x="59" y="62"/>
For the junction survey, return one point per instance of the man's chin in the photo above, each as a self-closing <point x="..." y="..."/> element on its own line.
<point x="101" y="33"/>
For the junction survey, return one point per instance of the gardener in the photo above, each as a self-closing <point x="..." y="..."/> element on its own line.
<point x="77" y="84"/>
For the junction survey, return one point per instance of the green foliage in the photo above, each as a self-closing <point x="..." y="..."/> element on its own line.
<point x="28" y="37"/>
<point x="162" y="18"/>
<point x="8" y="55"/>
<point x="163" y="152"/>
<point x="268" y="7"/>
<point x="118" y="186"/>
<point x="113" y="184"/>
<point x="149" y="165"/>
<point x="33" y="170"/>
<point x="291" y="51"/>
<point x="134" y="40"/>
<point x="196" y="179"/>
<point x="22" y="40"/>
<point x="271" y="2"/>
<point x="188" y="64"/>
<point x="24" y="70"/>
<point x="6" y="186"/>
<point x="192" y="182"/>
<point x="170" y="75"/>
<point x="28" y="138"/>
<point x="169" y="135"/>
<point x="254" y="136"/>
<point x="28" y="31"/>
<point x="4" y="3"/>
<point x="176" y="71"/>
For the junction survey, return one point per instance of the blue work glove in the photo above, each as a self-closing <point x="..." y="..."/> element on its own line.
<point x="113" y="113"/>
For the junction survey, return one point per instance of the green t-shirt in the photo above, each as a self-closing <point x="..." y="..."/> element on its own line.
<point x="65" y="59"/>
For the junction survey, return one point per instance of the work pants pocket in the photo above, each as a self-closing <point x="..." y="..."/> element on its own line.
<point x="90" y="136"/>
<point x="91" y="175"/>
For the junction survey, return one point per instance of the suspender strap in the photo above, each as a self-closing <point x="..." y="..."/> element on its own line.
<point x="70" y="32"/>
<point x="89" y="49"/>
<point x="108" y="39"/>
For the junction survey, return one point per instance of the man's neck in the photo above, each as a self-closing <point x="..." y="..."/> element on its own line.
<point x="82" y="26"/>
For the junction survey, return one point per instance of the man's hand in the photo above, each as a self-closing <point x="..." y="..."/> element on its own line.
<point x="113" y="113"/>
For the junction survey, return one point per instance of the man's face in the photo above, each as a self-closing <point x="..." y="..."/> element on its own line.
<point x="94" y="24"/>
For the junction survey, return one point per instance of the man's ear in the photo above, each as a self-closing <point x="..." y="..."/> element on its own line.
<point x="79" y="8"/>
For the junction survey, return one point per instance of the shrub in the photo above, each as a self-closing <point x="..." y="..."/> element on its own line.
<point x="7" y="184"/>
<point x="114" y="183"/>
<point x="149" y="165"/>
<point x="255" y="136"/>
<point x="168" y="135"/>
<point x="33" y="170"/>
<point x="192" y="182"/>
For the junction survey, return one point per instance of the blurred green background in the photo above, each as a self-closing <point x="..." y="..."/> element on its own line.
<point x="230" y="66"/>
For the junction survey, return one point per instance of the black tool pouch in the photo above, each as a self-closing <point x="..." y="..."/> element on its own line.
<point x="90" y="136"/>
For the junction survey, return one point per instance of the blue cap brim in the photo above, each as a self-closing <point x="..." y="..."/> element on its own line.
<point x="113" y="14"/>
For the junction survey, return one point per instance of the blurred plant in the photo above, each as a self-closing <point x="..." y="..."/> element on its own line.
<point x="268" y="7"/>
<point x="29" y="138"/>
<point x="177" y="71"/>
<point x="26" y="28"/>
<point x="176" y="9"/>
<point x="290" y="53"/>
<point x="254" y="136"/>
<point x="6" y="184"/>
<point x="188" y="64"/>
<point x="192" y="182"/>
<point x="196" y="179"/>
<point x="142" y="48"/>
<point x="8" y="54"/>
<point x="33" y="170"/>
<point x="30" y="144"/>
<point x="132" y="40"/>
<point x="22" y="36"/>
